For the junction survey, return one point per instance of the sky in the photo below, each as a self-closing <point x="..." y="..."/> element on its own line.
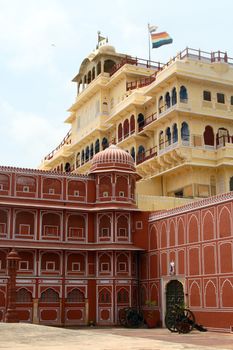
<point x="43" y="42"/>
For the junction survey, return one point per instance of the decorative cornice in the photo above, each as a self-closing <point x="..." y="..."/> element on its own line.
<point x="202" y="203"/>
<point x="28" y="171"/>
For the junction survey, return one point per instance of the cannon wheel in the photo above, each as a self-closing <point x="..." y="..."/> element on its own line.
<point x="134" y="318"/>
<point x="170" y="320"/>
<point x="185" y="321"/>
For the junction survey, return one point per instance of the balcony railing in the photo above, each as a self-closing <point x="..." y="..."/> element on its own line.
<point x="126" y="135"/>
<point x="147" y="121"/>
<point x="135" y="61"/>
<point x="217" y="56"/>
<point x="186" y="141"/>
<point x="148" y="154"/>
<point x="65" y="141"/>
<point x="132" y="85"/>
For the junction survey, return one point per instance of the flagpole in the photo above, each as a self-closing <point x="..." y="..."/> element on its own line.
<point x="149" y="42"/>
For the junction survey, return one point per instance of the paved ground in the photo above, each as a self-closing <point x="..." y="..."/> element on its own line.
<point x="33" y="337"/>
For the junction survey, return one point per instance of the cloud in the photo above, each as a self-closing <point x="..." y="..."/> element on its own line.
<point x="30" y="135"/>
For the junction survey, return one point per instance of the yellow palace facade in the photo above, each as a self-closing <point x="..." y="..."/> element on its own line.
<point x="175" y="119"/>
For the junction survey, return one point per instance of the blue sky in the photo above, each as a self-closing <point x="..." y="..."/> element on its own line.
<point x="43" y="42"/>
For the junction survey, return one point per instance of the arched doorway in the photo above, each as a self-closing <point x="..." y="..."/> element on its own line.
<point x="174" y="294"/>
<point x="209" y="136"/>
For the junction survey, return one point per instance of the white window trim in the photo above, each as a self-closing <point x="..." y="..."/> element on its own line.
<point x="25" y="225"/>
<point x="26" y="189"/>
<point x="124" y="230"/>
<point x="51" y="191"/>
<point x="102" y="265"/>
<point x="50" y="235"/>
<point x="122" y="269"/>
<point x="78" y="269"/>
<point x="121" y="194"/>
<point x="52" y="263"/>
<point x="76" y="193"/>
<point x="80" y="229"/>
<point x="139" y="225"/>
<point x="105" y="194"/>
<point x="24" y="262"/>
<point x="102" y="232"/>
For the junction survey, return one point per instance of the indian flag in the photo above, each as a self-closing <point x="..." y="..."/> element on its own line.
<point x="159" y="39"/>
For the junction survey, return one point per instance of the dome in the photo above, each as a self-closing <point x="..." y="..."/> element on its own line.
<point x="112" y="158"/>
<point x="107" y="49"/>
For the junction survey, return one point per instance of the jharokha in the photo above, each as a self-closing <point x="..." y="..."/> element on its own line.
<point x="134" y="207"/>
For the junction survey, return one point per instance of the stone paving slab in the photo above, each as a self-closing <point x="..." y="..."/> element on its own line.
<point x="37" y="337"/>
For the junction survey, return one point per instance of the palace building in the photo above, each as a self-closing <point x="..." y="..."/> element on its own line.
<point x="175" y="119"/>
<point x="134" y="207"/>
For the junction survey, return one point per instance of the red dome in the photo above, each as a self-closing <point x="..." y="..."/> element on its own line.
<point x="112" y="158"/>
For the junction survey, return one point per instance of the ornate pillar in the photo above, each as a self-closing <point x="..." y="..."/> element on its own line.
<point x="12" y="267"/>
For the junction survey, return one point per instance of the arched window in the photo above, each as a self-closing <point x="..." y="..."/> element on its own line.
<point x="93" y="73"/>
<point x="168" y="136"/>
<point x="185" y="132"/>
<point x="49" y="296"/>
<point x="98" y="68"/>
<point x="85" y="82"/>
<point x="141" y="153"/>
<point x="67" y="167"/>
<point x="168" y="100"/>
<point x="105" y="296"/>
<point x="123" y="296"/>
<point x="91" y="151"/>
<point x="174" y="96"/>
<point x="132" y="152"/>
<point x="82" y="157"/>
<point x="97" y="146"/>
<point x="89" y="77"/>
<point x="126" y="128"/>
<point x="209" y="136"/>
<point x="174" y="133"/>
<point x="132" y="124"/>
<point x="119" y="132"/>
<point x="108" y="66"/>
<point x="23" y="296"/>
<point x="87" y="153"/>
<point x="105" y="143"/>
<point x="78" y="160"/>
<point x="161" y="104"/>
<point x="183" y="94"/>
<point x="231" y="183"/>
<point x="141" y="121"/>
<point x="61" y="167"/>
<point x="75" y="296"/>
<point x="161" y="140"/>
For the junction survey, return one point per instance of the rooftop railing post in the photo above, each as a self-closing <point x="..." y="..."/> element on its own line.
<point x="225" y="57"/>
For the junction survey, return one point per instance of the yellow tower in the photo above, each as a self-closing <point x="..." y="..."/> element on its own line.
<point x="175" y="119"/>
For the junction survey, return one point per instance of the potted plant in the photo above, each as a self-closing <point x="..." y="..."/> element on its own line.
<point x="151" y="314"/>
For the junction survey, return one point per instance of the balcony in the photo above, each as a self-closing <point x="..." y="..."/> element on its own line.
<point x="64" y="142"/>
<point x="135" y="61"/>
<point x="195" y="143"/>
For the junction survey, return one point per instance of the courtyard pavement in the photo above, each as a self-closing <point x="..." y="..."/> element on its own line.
<point x="36" y="337"/>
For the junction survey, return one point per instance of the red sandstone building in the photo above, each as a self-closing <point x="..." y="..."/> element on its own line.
<point x="87" y="251"/>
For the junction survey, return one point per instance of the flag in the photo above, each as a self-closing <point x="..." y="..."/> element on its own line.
<point x="152" y="28"/>
<point x="159" y="39"/>
<point x="102" y="40"/>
